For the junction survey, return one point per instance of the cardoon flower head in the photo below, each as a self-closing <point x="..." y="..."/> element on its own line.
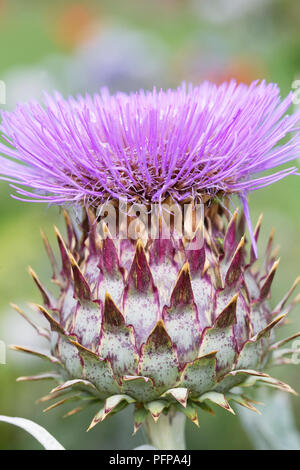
<point x="183" y="143"/>
<point x="152" y="320"/>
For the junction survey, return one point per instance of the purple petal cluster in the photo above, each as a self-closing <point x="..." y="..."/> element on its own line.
<point x="147" y="146"/>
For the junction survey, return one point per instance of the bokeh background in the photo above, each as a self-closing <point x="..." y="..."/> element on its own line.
<point x="78" y="46"/>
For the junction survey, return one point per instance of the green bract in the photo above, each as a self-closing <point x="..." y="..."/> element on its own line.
<point x="153" y="324"/>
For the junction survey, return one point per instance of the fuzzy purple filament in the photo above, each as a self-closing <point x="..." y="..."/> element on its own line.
<point x="148" y="146"/>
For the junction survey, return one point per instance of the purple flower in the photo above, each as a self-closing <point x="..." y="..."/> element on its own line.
<point x="184" y="143"/>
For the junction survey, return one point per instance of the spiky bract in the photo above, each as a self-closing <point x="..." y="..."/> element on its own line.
<point x="160" y="326"/>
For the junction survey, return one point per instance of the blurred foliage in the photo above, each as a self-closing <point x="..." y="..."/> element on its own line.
<point x="196" y="43"/>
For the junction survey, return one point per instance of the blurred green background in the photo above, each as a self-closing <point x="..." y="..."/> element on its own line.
<point x="80" y="46"/>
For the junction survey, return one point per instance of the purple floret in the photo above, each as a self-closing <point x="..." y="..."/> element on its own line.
<point x="147" y="146"/>
<point x="150" y="145"/>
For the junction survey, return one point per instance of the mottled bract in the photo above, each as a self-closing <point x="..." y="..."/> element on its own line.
<point x="157" y="325"/>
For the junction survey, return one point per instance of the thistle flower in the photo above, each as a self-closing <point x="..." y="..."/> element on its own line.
<point x="150" y="321"/>
<point x="151" y="145"/>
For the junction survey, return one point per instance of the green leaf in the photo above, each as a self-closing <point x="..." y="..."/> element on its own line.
<point x="39" y="433"/>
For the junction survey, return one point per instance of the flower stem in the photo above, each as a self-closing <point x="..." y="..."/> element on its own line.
<point x="168" y="432"/>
